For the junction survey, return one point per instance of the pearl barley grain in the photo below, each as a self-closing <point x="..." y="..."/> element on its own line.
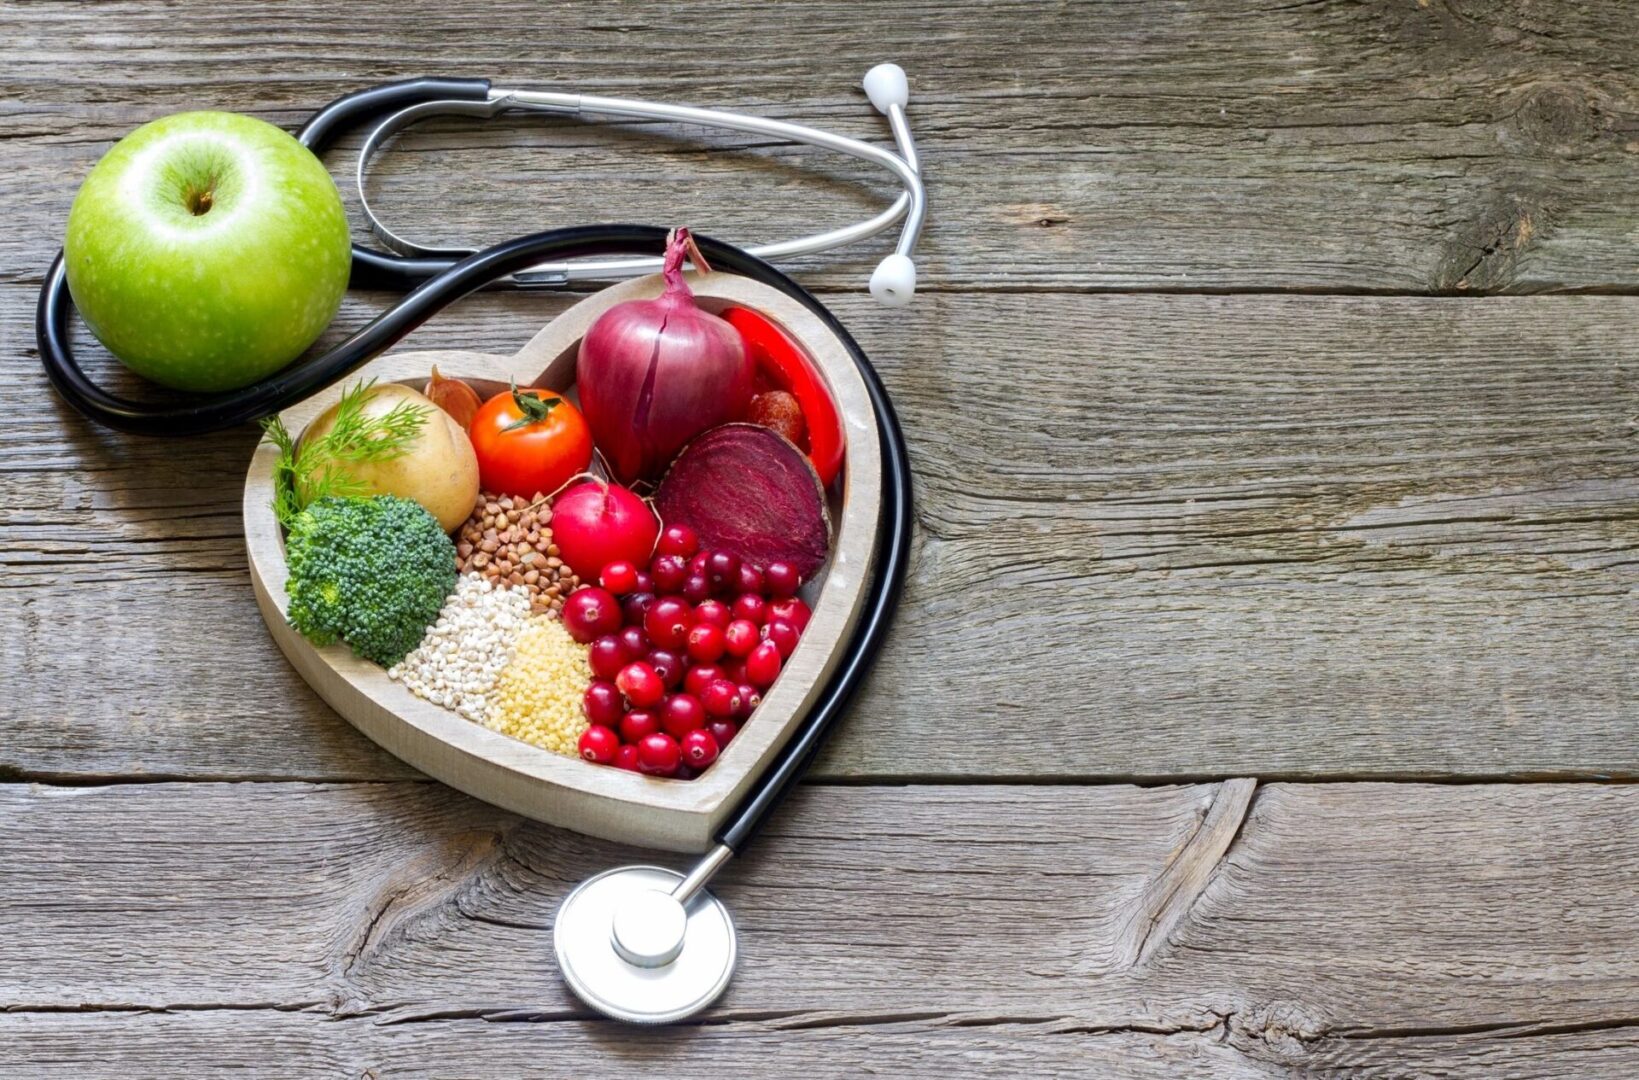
<point x="465" y="650"/>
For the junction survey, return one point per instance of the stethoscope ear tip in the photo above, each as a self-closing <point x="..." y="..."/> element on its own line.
<point x="886" y="86"/>
<point x="893" y="282"/>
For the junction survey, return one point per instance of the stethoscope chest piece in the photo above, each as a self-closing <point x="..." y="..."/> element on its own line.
<point x="630" y="950"/>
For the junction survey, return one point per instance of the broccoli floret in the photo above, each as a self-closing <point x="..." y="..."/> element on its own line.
<point x="373" y="572"/>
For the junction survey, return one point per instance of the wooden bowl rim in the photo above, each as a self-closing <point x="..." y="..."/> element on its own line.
<point x="546" y="360"/>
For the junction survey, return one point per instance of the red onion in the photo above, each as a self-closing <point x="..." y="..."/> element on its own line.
<point x="653" y="374"/>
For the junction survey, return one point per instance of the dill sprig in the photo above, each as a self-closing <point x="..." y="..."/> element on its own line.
<point x="319" y="468"/>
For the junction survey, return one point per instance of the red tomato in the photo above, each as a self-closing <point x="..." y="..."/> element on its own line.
<point x="529" y="442"/>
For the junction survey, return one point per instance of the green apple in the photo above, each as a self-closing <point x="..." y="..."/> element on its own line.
<point x="207" y="249"/>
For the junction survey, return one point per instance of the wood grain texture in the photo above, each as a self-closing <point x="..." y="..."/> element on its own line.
<point x="401" y="928"/>
<point x="1462" y="146"/>
<point x="1193" y="537"/>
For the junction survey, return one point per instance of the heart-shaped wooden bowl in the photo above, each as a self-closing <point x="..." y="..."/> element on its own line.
<point x="594" y="799"/>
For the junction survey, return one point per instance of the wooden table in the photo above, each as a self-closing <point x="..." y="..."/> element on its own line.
<point x="1263" y="701"/>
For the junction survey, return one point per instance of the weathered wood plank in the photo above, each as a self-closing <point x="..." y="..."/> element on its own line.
<point x="289" y="1046"/>
<point x="922" y="927"/>
<point x="1477" y="146"/>
<point x="1181" y="537"/>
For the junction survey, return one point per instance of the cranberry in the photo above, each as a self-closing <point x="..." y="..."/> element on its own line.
<point x="641" y="684"/>
<point x="750" y="607"/>
<point x="751" y="579"/>
<point x="723" y="730"/>
<point x="602" y="703"/>
<point x="740" y="637"/>
<point x="678" y="540"/>
<point x="696" y="587"/>
<point x="682" y="714"/>
<point x="699" y="749"/>
<point x="763" y="665"/>
<point x="590" y="612"/>
<point x="634" y="643"/>
<point x="607" y="656"/>
<point x="713" y="611"/>
<point x="700" y="676"/>
<point x="633" y="605"/>
<point x="721" y="699"/>
<point x="658" y="754"/>
<point x="638" y="723"/>
<point x="619" y="577"/>
<point x="734" y="669"/>
<point x="669" y="572"/>
<point x="668" y="665"/>
<point x="705" y="642"/>
<point x="599" y="744"/>
<point x="697" y="565"/>
<point x="750" y="698"/>
<point x="792" y="610"/>
<point x="782" y="634"/>
<point x="685" y="773"/>
<point x="668" y="622"/>
<point x="626" y="758"/>
<point x="723" y="569"/>
<point x="781" y="580"/>
<point x="645" y="583"/>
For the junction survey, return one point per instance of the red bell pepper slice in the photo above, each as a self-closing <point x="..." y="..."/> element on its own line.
<point x="788" y="368"/>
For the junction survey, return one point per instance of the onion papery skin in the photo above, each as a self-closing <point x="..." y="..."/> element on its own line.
<point x="653" y="374"/>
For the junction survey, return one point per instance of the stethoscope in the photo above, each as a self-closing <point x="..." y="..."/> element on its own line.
<point x="638" y="943"/>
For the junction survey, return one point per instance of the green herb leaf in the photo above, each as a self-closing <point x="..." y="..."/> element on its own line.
<point x="318" y="468"/>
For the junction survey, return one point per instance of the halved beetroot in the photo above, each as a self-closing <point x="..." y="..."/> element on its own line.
<point x="749" y="490"/>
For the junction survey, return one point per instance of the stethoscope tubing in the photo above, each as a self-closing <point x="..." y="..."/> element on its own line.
<point x="452" y="280"/>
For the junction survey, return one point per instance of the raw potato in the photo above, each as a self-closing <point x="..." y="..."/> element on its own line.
<point x="440" y="471"/>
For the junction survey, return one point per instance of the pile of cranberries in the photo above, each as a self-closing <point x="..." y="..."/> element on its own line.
<point x="681" y="652"/>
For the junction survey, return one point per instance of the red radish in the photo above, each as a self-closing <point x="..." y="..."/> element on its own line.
<point x="653" y="374"/>
<point x="749" y="495"/>
<point x="595" y="524"/>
